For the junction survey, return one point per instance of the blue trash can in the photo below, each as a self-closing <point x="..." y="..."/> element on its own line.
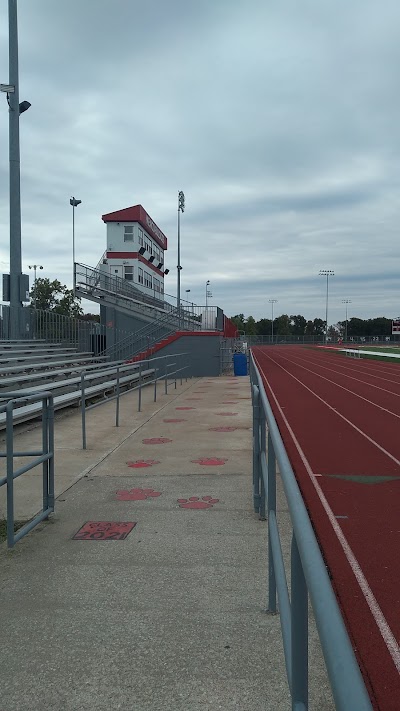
<point x="239" y="364"/>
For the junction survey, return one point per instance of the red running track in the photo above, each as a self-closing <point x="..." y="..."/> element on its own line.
<point x="340" y="421"/>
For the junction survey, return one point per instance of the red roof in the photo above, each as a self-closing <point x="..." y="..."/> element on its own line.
<point x="137" y="213"/>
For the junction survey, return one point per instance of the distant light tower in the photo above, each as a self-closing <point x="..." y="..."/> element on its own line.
<point x="346" y="301"/>
<point x="328" y="273"/>
<point x="181" y="208"/>
<point x="35" y="267"/>
<point x="208" y="292"/>
<point x="272" y="302"/>
<point x="74" y="202"/>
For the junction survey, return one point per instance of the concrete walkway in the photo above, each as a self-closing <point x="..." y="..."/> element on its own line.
<point x="172" y="616"/>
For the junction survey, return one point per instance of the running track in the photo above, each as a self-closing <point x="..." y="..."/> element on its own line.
<point x="340" y="422"/>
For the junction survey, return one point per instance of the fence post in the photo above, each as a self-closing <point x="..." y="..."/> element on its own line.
<point x="299" y="624"/>
<point x="256" y="450"/>
<point x="155" y="384"/>
<point x="50" y="421"/>
<point x="45" y="450"/>
<point x="10" y="474"/>
<point x="165" y="376"/>
<point x="140" y="387"/>
<point x="263" y="449"/>
<point x="271" y="499"/>
<point x="117" y="404"/>
<point x="83" y="409"/>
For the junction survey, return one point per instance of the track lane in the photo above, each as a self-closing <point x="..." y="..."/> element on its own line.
<point x="332" y="445"/>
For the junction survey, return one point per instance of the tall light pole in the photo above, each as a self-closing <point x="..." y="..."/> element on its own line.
<point x="208" y="292"/>
<point x="272" y="302"/>
<point x="35" y="267"/>
<point x="15" y="109"/>
<point x="346" y="301"/>
<point x="328" y="273"/>
<point x="181" y="208"/>
<point x="74" y="202"/>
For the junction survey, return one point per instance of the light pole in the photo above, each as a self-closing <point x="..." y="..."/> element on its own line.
<point x="188" y="292"/>
<point x="181" y="208"/>
<point x="15" y="109"/>
<point x="35" y="267"/>
<point x="272" y="302"/>
<point x="74" y="202"/>
<point x="208" y="292"/>
<point x="327" y="273"/>
<point x="346" y="301"/>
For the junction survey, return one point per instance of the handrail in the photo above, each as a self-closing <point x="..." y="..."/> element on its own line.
<point x="308" y="571"/>
<point x="45" y="457"/>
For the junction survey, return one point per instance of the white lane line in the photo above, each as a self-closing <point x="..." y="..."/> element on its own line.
<point x="342" y="387"/>
<point x="360" y="372"/>
<point x="351" y="377"/>
<point x="382" y="624"/>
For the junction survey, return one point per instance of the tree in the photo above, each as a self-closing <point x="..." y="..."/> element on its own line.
<point x="238" y="320"/>
<point x="298" y="325"/>
<point x="263" y="327"/>
<point x="356" y="327"/>
<point x="282" y="325"/>
<point x="53" y="296"/>
<point x="315" y="328"/>
<point x="250" y="326"/>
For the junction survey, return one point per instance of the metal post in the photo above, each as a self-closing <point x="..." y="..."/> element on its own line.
<point x="299" y="625"/>
<point x="327" y="273"/>
<point x="256" y="450"/>
<point x="140" y="388"/>
<point x="165" y="375"/>
<point x="272" y="302"/>
<point x="155" y="384"/>
<point x="117" y="405"/>
<point x="83" y="410"/>
<point x="10" y="474"/>
<point x="45" y="449"/>
<point x="14" y="157"/>
<point x="271" y="498"/>
<point x="73" y="247"/>
<point x="181" y="208"/>
<point x="263" y="449"/>
<point x="50" y="422"/>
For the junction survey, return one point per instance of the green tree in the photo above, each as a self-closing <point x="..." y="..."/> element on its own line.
<point x="315" y="328"/>
<point x="380" y="326"/>
<point x="282" y="325"/>
<point x="356" y="327"/>
<point x="250" y="326"/>
<point x="53" y="296"/>
<point x="238" y="320"/>
<point x="298" y="325"/>
<point x="263" y="327"/>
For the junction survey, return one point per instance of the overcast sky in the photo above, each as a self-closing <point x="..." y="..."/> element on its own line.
<point x="278" y="119"/>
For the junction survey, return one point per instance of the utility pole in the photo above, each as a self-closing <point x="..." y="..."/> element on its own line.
<point x="181" y="208"/>
<point x="346" y="301"/>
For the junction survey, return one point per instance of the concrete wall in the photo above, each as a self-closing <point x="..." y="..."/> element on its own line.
<point x="203" y="357"/>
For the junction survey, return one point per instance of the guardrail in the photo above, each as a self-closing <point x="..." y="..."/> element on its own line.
<point x="144" y="373"/>
<point x="45" y="457"/>
<point x="308" y="571"/>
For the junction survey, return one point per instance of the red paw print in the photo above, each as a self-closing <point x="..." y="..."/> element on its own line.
<point x="136" y="494"/>
<point x="194" y="502"/>
<point x="222" y="429"/>
<point x="209" y="461"/>
<point x="142" y="463"/>
<point x="156" y="440"/>
<point x="226" y="414"/>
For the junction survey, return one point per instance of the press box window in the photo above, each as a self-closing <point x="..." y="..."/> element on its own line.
<point x="128" y="233"/>
<point x="128" y="273"/>
<point x="140" y="237"/>
<point x="148" y="280"/>
<point x="140" y="275"/>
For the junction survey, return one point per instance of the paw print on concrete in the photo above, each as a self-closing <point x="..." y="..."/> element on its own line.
<point x="222" y="429"/>
<point x="137" y="494"/>
<point x="142" y="463"/>
<point x="226" y="414"/>
<point x="209" y="461"/>
<point x="194" y="502"/>
<point x="156" y="440"/>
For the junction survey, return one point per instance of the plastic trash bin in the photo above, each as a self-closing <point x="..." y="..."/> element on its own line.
<point x="239" y="364"/>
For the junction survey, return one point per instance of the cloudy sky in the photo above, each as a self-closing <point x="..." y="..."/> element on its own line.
<point x="278" y="119"/>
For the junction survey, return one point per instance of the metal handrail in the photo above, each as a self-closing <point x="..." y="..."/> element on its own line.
<point x="308" y="572"/>
<point x="45" y="457"/>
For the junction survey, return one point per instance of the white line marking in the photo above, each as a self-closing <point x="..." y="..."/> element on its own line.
<point x="383" y="626"/>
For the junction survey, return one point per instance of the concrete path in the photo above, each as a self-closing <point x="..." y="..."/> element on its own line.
<point x="171" y="617"/>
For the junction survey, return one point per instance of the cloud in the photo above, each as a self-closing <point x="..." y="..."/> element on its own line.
<point x="278" y="120"/>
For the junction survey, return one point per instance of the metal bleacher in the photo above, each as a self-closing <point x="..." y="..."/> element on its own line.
<point x="62" y="371"/>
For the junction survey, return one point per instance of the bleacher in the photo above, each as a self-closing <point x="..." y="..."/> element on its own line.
<point x="36" y="366"/>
